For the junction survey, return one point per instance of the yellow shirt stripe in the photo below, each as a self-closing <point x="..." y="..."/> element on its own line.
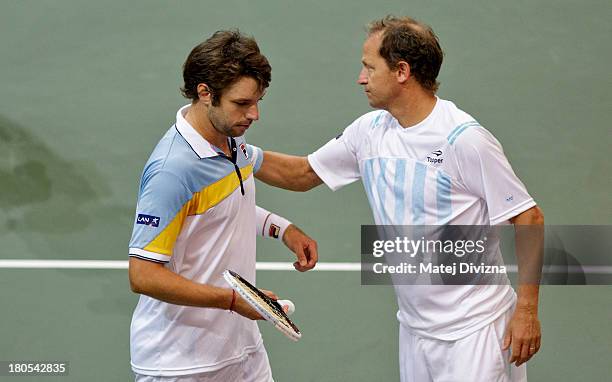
<point x="199" y="203"/>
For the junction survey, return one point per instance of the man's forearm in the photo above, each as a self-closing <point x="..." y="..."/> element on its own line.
<point x="287" y="171"/>
<point x="156" y="281"/>
<point x="529" y="237"/>
<point x="528" y="296"/>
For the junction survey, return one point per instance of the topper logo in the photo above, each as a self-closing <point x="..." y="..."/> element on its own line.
<point x="437" y="159"/>
<point x="143" y="219"/>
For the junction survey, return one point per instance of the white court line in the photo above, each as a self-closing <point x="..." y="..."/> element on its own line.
<point x="590" y="269"/>
<point x="123" y="264"/>
<point x="63" y="264"/>
<point x="262" y="266"/>
<point x="342" y="267"/>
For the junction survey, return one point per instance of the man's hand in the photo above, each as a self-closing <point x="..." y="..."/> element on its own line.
<point x="303" y="246"/>
<point x="524" y="334"/>
<point x="243" y="308"/>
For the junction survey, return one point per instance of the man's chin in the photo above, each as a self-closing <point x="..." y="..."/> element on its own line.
<point x="238" y="132"/>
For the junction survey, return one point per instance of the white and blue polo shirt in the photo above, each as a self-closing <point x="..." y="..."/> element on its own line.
<point x="447" y="169"/>
<point x="192" y="217"/>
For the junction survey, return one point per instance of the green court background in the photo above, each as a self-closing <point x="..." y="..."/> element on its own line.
<point x="87" y="89"/>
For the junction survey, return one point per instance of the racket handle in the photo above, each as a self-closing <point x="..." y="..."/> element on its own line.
<point x="289" y="304"/>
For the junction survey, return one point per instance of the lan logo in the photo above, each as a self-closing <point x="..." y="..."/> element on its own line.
<point x="143" y="219"/>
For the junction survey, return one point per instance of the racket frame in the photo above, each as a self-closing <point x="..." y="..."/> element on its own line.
<point x="234" y="280"/>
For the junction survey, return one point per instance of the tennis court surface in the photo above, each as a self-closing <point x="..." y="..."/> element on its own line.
<point x="89" y="88"/>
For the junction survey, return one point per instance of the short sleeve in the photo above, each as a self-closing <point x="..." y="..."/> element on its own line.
<point x="255" y="155"/>
<point x="486" y="172"/>
<point x="336" y="162"/>
<point x="160" y="213"/>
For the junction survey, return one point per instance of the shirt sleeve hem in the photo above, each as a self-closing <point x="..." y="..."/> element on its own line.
<point x="318" y="168"/>
<point x="512" y="212"/>
<point x="148" y="255"/>
<point x="257" y="158"/>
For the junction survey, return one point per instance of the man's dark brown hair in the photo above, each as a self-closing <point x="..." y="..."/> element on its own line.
<point x="406" y="39"/>
<point x="222" y="60"/>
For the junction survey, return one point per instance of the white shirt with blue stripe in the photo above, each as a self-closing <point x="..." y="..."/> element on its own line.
<point x="447" y="169"/>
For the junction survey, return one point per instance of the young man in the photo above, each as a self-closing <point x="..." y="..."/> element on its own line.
<point x="423" y="161"/>
<point x="196" y="216"/>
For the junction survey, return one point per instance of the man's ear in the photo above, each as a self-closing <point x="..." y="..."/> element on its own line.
<point x="204" y="94"/>
<point x="403" y="72"/>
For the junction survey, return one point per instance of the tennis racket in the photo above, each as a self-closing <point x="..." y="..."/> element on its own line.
<point x="269" y="309"/>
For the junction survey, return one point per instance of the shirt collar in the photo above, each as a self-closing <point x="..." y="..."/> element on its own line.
<point x="197" y="142"/>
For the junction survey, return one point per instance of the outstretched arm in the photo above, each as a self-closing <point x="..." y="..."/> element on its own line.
<point x="287" y="171"/>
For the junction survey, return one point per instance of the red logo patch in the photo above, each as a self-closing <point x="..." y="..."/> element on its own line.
<point x="244" y="150"/>
<point x="274" y="231"/>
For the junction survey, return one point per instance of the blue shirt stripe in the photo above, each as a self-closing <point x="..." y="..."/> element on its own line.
<point x="368" y="177"/>
<point x="418" y="194"/>
<point x="398" y="190"/>
<point x="377" y="118"/>
<point x="382" y="188"/>
<point x="443" y="197"/>
<point x="460" y="129"/>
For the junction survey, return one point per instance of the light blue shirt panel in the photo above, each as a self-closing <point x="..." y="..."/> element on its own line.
<point x="171" y="176"/>
<point x="252" y="151"/>
<point x="162" y="197"/>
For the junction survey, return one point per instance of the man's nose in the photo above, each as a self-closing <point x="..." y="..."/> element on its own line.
<point x="253" y="113"/>
<point x="363" y="77"/>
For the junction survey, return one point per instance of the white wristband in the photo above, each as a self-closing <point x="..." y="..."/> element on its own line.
<point x="271" y="225"/>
